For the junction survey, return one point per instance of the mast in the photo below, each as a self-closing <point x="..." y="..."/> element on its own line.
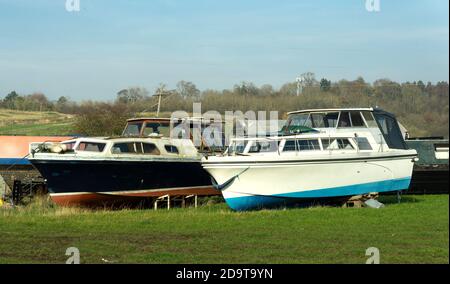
<point x="160" y="92"/>
<point x="159" y="103"/>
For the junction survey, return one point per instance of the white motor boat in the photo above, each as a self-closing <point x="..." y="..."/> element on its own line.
<point x="323" y="153"/>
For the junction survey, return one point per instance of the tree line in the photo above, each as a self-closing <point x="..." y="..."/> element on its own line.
<point x="422" y="108"/>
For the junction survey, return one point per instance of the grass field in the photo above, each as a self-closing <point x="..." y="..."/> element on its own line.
<point x="35" y="123"/>
<point x="415" y="231"/>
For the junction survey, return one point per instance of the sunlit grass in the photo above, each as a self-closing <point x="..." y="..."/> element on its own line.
<point x="415" y="231"/>
<point x="14" y="122"/>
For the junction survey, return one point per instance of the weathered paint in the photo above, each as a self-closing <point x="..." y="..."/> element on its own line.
<point x="95" y="199"/>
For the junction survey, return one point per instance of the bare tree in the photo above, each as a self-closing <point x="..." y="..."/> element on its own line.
<point x="188" y="90"/>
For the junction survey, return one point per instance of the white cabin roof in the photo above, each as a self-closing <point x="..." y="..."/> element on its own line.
<point x="330" y="110"/>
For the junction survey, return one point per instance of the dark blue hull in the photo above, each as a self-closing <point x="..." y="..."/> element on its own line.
<point x="77" y="182"/>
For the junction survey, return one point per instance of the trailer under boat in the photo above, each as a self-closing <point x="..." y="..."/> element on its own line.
<point x="100" y="172"/>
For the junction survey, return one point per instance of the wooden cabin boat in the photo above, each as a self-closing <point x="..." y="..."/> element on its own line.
<point x="323" y="153"/>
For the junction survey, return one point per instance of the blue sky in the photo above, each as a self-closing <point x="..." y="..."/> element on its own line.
<point x="113" y="44"/>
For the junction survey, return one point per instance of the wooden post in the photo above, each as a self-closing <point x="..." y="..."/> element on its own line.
<point x="159" y="103"/>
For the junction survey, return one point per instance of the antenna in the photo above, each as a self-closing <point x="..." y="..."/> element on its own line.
<point x="160" y="92"/>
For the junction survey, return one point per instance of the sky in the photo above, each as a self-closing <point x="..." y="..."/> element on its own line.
<point x="109" y="45"/>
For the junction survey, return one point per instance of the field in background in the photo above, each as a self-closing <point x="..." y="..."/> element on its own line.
<point x="35" y="123"/>
<point x="29" y="123"/>
<point x="415" y="231"/>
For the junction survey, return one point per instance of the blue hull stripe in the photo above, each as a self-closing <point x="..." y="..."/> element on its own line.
<point x="258" y="202"/>
<point x="14" y="161"/>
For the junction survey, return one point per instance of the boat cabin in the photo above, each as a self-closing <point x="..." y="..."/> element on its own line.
<point x="330" y="130"/>
<point x="376" y="121"/>
<point x="120" y="147"/>
<point x="151" y="127"/>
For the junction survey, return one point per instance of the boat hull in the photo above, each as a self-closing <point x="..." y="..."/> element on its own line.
<point x="280" y="183"/>
<point x="89" y="183"/>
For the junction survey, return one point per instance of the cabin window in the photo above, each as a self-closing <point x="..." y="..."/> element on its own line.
<point x="301" y="145"/>
<point x="264" y="147"/>
<point x="309" y="145"/>
<point x="363" y="143"/>
<point x="133" y="129"/>
<point x="351" y="119"/>
<point x="317" y="120"/>
<point x="324" y="120"/>
<point x="91" y="147"/>
<point x="301" y="120"/>
<point x="135" y="148"/>
<point x="344" y="120"/>
<point x="331" y="119"/>
<point x="369" y="119"/>
<point x="337" y="144"/>
<point x="357" y="120"/>
<point x="391" y="131"/>
<point x="290" y="146"/>
<point x="238" y="147"/>
<point x="150" y="149"/>
<point x="128" y="148"/>
<point x="171" y="149"/>
<point x="70" y="145"/>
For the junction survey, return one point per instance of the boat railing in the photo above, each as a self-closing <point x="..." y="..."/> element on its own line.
<point x="294" y="137"/>
<point x="242" y="142"/>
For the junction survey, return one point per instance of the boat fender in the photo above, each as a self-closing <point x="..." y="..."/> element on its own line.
<point x="58" y="148"/>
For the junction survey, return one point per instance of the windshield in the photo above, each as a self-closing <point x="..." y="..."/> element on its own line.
<point x="305" y="122"/>
<point x="300" y="120"/>
<point x="157" y="128"/>
<point x="236" y="147"/>
<point x="263" y="147"/>
<point x="132" y="129"/>
<point x="325" y="120"/>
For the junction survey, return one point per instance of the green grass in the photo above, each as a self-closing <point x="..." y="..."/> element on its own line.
<point x="39" y="129"/>
<point x="14" y="122"/>
<point x="415" y="231"/>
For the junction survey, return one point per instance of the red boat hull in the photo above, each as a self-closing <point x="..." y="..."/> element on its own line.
<point x="89" y="199"/>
